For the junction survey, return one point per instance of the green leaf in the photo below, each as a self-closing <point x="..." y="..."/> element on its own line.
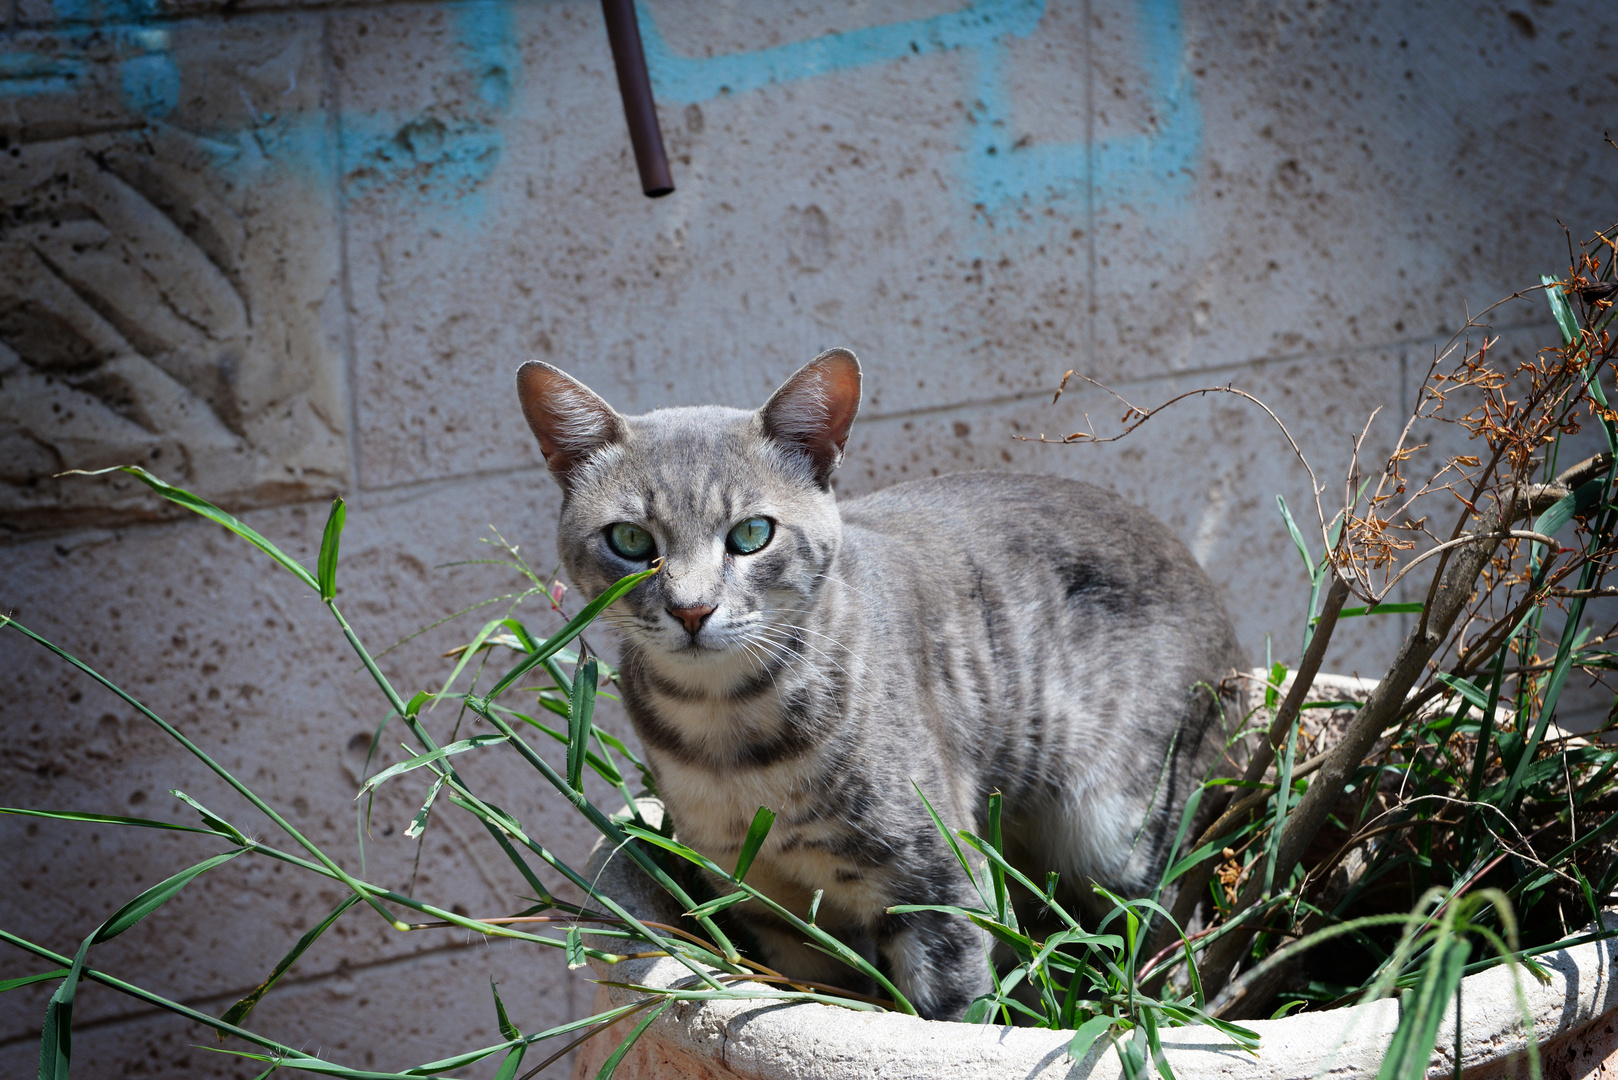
<point x="1411" y="1047"/>
<point x="997" y="876"/>
<point x="105" y="819"/>
<point x="1297" y="537"/>
<point x="575" y="626"/>
<point x="756" y="834"/>
<point x="419" y="822"/>
<point x="1560" y="310"/>
<point x="610" y="1066"/>
<point x="575" y="949"/>
<point x="581" y="705"/>
<point x="1563" y="510"/>
<point x="507" y="1028"/>
<point x="1272" y="685"/>
<point x="29" y="980"/>
<point x="419" y="760"/>
<point x="1154" y="1043"/>
<point x="414" y="705"/>
<point x="717" y="905"/>
<point x="949" y="838"/>
<point x="1379" y="609"/>
<point x="155" y="897"/>
<point x="214" y="822"/>
<point x="508" y="1067"/>
<point x="56" y="1037"/>
<point x="326" y="565"/>
<point x="1474" y="694"/>
<point x="466" y="654"/>
<point x="238" y="1012"/>
<point x="202" y="506"/>
<point x="603" y="768"/>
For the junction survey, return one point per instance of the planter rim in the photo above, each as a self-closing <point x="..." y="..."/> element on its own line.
<point x="796" y="1041"/>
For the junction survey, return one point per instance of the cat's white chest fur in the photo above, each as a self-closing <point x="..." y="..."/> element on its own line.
<point x="713" y="814"/>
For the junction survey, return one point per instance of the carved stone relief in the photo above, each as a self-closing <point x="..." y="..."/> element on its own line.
<point x="167" y="299"/>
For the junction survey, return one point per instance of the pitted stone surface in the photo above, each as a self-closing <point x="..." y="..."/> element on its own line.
<point x="295" y="248"/>
<point x="169" y="293"/>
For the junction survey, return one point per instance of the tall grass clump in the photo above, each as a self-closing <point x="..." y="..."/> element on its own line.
<point x="1441" y="826"/>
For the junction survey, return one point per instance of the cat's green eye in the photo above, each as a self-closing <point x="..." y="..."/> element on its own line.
<point x="750" y="536"/>
<point x="630" y="541"/>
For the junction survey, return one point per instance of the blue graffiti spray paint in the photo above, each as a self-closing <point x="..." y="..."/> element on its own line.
<point x="438" y="158"/>
<point x="150" y="79"/>
<point x="1153" y="168"/>
<point x="688" y="79"/>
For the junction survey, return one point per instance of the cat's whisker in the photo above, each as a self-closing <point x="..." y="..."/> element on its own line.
<point x="823" y="654"/>
<point x="823" y="576"/>
<point x="787" y="656"/>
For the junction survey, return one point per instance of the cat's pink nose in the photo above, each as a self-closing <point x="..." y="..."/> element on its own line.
<point x="692" y="616"/>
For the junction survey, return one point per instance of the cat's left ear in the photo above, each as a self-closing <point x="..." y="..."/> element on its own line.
<point x="814" y="409"/>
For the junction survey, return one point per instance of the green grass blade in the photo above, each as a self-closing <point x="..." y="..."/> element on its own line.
<point x="471" y="650"/>
<point x="954" y="847"/>
<point x="581" y="705"/>
<point x="29" y="980"/>
<point x="1086" y="1035"/>
<point x="997" y="876"/>
<point x="718" y="904"/>
<point x="603" y="768"/>
<point x="105" y="819"/>
<point x="428" y="758"/>
<point x="56" y="1037"/>
<point x="1561" y="311"/>
<point x="513" y="1061"/>
<point x="197" y="752"/>
<point x="1473" y="693"/>
<point x="419" y="823"/>
<point x="575" y="626"/>
<point x="326" y="564"/>
<point x="1154" y="1043"/>
<point x="756" y="833"/>
<point x="1297" y="536"/>
<point x="507" y="1028"/>
<point x="1282" y="803"/>
<point x="1378" y="609"/>
<point x="610" y="1066"/>
<point x="214" y="822"/>
<point x="1413" y="1041"/>
<point x="202" y="506"/>
<point x="238" y="1012"/>
<point x="155" y="897"/>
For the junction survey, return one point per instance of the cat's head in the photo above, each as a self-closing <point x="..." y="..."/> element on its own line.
<point x="738" y="505"/>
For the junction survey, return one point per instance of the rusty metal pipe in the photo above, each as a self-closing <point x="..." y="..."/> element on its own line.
<point x="623" y="33"/>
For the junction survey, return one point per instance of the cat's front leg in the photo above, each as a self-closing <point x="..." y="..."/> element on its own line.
<point x="938" y="961"/>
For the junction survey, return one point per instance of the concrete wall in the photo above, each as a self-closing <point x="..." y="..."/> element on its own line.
<point x="276" y="251"/>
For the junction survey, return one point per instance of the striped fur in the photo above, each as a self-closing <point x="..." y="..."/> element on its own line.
<point x="963" y="634"/>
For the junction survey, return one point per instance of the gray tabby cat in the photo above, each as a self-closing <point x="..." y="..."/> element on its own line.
<point x="967" y="634"/>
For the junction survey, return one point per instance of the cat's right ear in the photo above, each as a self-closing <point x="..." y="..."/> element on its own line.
<point x="813" y="410"/>
<point x="570" y="420"/>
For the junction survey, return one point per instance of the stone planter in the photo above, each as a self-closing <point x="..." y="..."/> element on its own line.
<point x="1575" y="1018"/>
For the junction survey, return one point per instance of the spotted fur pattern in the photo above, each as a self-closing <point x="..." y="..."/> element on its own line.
<point x="964" y="634"/>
